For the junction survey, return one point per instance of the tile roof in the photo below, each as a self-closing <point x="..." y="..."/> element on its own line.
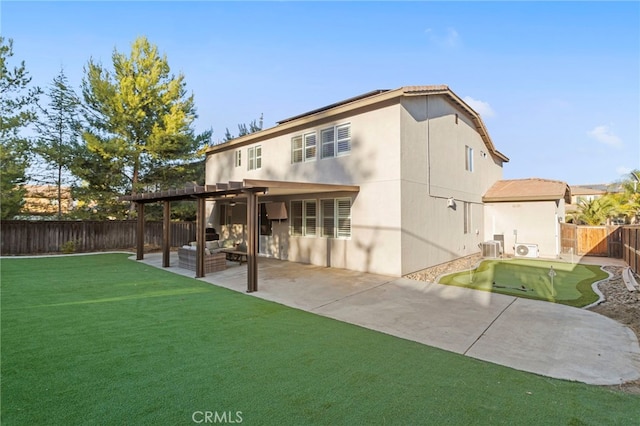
<point x="532" y="189"/>
<point x="586" y="190"/>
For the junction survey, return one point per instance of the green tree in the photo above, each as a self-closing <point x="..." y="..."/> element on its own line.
<point x="95" y="193"/>
<point x="179" y="174"/>
<point x="628" y="199"/>
<point x="594" y="212"/>
<point x="244" y="130"/>
<point x="139" y="118"/>
<point x="17" y="111"/>
<point x="59" y="130"/>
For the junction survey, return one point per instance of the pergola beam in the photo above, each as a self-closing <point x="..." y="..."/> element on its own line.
<point x="248" y="188"/>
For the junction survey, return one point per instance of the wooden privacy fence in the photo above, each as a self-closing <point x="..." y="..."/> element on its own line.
<point x="591" y="240"/>
<point x="33" y="237"/>
<point x="631" y="247"/>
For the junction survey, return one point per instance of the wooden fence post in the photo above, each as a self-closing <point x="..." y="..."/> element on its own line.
<point x="140" y="232"/>
<point x="166" y="234"/>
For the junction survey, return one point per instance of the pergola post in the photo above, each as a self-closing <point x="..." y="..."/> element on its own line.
<point x="166" y="234"/>
<point x="252" y="242"/>
<point x="140" y="232"/>
<point x="201" y="220"/>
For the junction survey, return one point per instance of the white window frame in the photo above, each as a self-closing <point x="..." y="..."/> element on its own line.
<point x="310" y="146"/>
<point x="297" y="149"/>
<point x="343" y="140"/>
<point x="467" y="217"/>
<point x="335" y="146"/>
<point x="329" y="144"/>
<point x="336" y="217"/>
<point x="328" y="215"/>
<point x="308" y="223"/>
<point x="342" y="217"/>
<point x="254" y="155"/>
<point x="468" y="158"/>
<point x="310" y="220"/>
<point x="238" y="158"/>
<point x="296" y="218"/>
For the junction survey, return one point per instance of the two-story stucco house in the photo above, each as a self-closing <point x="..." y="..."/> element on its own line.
<point x="388" y="182"/>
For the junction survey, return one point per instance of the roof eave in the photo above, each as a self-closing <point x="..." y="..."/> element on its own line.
<point x="362" y="101"/>
<point x="517" y="199"/>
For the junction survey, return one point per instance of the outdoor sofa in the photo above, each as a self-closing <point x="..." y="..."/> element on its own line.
<point x="216" y="253"/>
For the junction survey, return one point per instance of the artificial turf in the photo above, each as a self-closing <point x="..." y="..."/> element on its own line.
<point x="104" y="340"/>
<point x="530" y="279"/>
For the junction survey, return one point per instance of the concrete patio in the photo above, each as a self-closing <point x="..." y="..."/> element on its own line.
<point x="539" y="337"/>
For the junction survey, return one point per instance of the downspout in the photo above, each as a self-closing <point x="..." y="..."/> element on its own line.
<point x="557" y="225"/>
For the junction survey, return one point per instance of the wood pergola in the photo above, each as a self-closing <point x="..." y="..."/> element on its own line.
<point x="248" y="189"/>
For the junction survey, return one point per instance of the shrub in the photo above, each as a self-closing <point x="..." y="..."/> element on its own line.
<point x="68" y="247"/>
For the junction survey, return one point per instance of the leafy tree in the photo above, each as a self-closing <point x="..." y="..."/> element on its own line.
<point x="594" y="212"/>
<point x="59" y="130"/>
<point x="179" y="174"/>
<point x="139" y="118"/>
<point x="17" y="111"/>
<point x="628" y="200"/>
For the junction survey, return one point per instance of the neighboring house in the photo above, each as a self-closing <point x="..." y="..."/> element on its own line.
<point x="527" y="213"/>
<point x="584" y="193"/>
<point x="588" y="193"/>
<point x="388" y="182"/>
<point x="42" y="200"/>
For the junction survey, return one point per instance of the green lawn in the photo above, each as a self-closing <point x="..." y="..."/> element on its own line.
<point x="104" y="340"/>
<point x="530" y="278"/>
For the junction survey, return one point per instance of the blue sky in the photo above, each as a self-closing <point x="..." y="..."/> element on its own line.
<point x="557" y="83"/>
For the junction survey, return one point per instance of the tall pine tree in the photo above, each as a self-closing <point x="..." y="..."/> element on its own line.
<point x="139" y="118"/>
<point x="58" y="132"/>
<point x="17" y="112"/>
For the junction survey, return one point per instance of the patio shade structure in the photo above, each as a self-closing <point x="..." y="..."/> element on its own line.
<point x="250" y="189"/>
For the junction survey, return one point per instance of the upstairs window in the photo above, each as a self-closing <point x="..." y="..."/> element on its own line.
<point x="296" y="149"/>
<point x="336" y="141"/>
<point x="238" y="158"/>
<point x="327" y="136"/>
<point x="255" y="158"/>
<point x="343" y="143"/>
<point x="310" y="147"/>
<point x="468" y="158"/>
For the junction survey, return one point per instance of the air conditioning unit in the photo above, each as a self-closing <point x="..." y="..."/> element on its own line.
<point x="490" y="249"/>
<point x="526" y="250"/>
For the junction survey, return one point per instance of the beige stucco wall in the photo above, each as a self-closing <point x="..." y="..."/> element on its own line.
<point x="408" y="158"/>
<point x="433" y="170"/>
<point x="536" y="222"/>
<point x="373" y="164"/>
